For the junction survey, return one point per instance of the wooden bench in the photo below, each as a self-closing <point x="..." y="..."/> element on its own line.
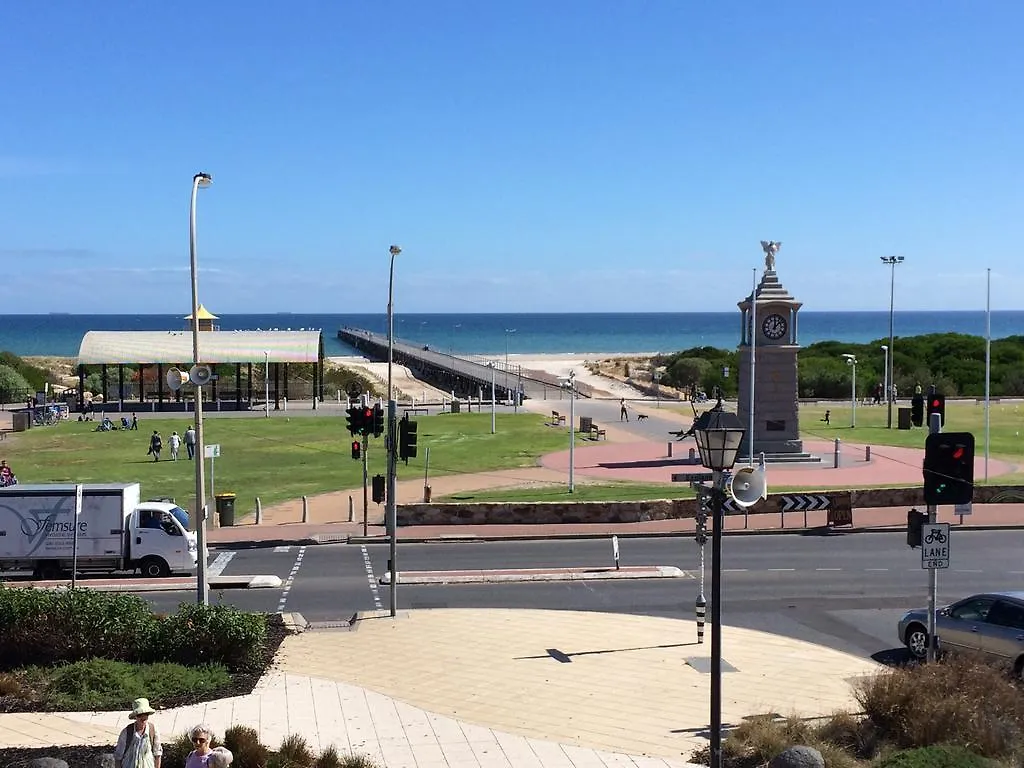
<point x="596" y="433"/>
<point x="414" y="411"/>
<point x="557" y="419"/>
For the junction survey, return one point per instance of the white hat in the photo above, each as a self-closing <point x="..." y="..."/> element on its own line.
<point x="140" y="707"/>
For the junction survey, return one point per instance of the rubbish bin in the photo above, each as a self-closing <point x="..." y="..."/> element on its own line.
<point x="456" y="406"/>
<point x="21" y="420"/>
<point x="225" y="509"/>
<point x="586" y="424"/>
<point x="903" y="418"/>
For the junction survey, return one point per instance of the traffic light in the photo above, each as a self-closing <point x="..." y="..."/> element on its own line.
<point x="937" y="404"/>
<point x="378" y="489"/>
<point x="917" y="409"/>
<point x="353" y="418"/>
<point x="355" y="449"/>
<point x="949" y="468"/>
<point x="406" y="439"/>
<point x="378" y="421"/>
<point x="366" y="421"/>
<point x="915" y="520"/>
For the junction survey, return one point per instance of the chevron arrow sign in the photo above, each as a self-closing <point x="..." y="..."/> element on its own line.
<point x="805" y="502"/>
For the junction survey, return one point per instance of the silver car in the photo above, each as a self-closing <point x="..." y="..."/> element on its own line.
<point x="990" y="623"/>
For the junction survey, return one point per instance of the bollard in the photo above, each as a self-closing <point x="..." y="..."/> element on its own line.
<point x="305" y="509"/>
<point x="702" y="607"/>
<point x="259" y="511"/>
<point x="351" y="509"/>
<point x="867" y="453"/>
<point x="615" y="551"/>
<point x="693" y="454"/>
<point x="670" y="449"/>
<point x="836" y="457"/>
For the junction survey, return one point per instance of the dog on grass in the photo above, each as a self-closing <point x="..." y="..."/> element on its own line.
<point x="641" y="416"/>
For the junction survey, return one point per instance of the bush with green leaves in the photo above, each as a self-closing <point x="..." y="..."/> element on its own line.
<point x="46" y="627"/>
<point x="14" y="387"/>
<point x="40" y="626"/>
<point x="200" y="634"/>
<point x="248" y="752"/>
<point x="938" y="756"/>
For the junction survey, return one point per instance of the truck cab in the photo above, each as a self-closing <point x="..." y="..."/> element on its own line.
<point x="159" y="541"/>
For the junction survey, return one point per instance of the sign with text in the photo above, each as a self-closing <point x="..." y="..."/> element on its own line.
<point x="935" y="545"/>
<point x="212" y="451"/>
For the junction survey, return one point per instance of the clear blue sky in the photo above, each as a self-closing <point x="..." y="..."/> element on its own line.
<point x="528" y="156"/>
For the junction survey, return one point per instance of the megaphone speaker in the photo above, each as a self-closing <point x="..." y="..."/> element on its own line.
<point x="175" y="379"/>
<point x="200" y="375"/>
<point x="748" y="486"/>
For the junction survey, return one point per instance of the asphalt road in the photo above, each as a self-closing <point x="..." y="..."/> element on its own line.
<point x="845" y="590"/>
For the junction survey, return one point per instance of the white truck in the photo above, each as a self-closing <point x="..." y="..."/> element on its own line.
<point x="117" y="531"/>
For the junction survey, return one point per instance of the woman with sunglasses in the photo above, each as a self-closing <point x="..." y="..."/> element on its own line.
<point x="201" y="736"/>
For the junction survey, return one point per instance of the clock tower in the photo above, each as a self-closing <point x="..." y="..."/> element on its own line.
<point x="769" y="332"/>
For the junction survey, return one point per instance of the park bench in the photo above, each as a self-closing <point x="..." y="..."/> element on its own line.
<point x="596" y="433"/>
<point x="414" y="411"/>
<point x="557" y="419"/>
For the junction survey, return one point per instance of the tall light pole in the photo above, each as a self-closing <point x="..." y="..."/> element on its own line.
<point x="885" y="376"/>
<point x="988" y="361"/>
<point x="392" y="443"/>
<point x="492" y="367"/>
<point x="572" y="433"/>
<point x="507" y="332"/>
<point x="266" y="382"/>
<point x="851" y="360"/>
<point x="451" y="347"/>
<point x="202" y="588"/>
<point x="892" y="261"/>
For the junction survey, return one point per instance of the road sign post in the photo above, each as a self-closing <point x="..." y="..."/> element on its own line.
<point x="211" y="452"/>
<point x="934" y="427"/>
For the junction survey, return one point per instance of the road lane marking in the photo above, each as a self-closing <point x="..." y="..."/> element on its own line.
<point x="283" y="549"/>
<point x="780" y="570"/>
<point x="216" y="568"/>
<point x="291" y="579"/>
<point x="828" y="569"/>
<point x="373" y="582"/>
<point x="876" y="569"/>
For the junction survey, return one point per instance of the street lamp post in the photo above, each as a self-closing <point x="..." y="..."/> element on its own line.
<point x="507" y="332"/>
<point x="451" y="347"/>
<point x="266" y="382"/>
<point x="491" y="366"/>
<point x="885" y="376"/>
<point x="718" y="433"/>
<point x="202" y="587"/>
<point x="571" y="381"/>
<point x="392" y="447"/>
<point x="851" y="360"/>
<point x="892" y="261"/>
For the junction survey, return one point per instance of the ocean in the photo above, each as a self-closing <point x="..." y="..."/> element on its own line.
<point x="524" y="334"/>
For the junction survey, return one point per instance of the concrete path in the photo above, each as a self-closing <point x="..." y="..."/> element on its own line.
<point x="493" y="688"/>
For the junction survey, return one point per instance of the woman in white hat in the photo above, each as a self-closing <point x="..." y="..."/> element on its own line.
<point x="138" y="744"/>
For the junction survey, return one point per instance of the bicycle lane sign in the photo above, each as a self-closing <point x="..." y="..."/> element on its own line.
<point x="935" y="545"/>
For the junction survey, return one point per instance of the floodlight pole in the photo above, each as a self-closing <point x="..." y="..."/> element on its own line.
<point x="892" y="261"/>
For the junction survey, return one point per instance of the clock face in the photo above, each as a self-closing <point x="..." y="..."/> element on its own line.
<point x="774" y="327"/>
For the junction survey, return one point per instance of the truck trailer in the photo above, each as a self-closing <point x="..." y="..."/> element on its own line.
<point x="116" y="531"/>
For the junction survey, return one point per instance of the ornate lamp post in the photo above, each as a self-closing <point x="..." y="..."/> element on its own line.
<point x="719" y="434"/>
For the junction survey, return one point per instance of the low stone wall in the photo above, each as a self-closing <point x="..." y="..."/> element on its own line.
<point x="574" y="512"/>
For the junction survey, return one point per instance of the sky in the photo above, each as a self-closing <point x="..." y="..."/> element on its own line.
<point x="579" y="155"/>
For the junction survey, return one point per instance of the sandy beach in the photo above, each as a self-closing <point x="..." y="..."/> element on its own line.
<point x="558" y="365"/>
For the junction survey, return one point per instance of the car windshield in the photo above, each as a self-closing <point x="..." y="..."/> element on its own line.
<point x="181" y="516"/>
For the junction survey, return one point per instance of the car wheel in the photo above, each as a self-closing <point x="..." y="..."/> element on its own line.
<point x="917" y="641"/>
<point x="154" y="568"/>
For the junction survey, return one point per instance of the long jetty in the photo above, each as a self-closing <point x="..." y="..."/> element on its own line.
<point x="462" y="377"/>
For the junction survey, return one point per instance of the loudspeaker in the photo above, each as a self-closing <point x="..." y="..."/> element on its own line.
<point x="200" y="375"/>
<point x="175" y="378"/>
<point x="748" y="486"/>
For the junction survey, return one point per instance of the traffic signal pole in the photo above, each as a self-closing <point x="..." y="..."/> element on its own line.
<point x="366" y="501"/>
<point x="934" y="427"/>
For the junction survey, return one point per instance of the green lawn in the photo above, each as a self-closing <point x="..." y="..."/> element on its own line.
<point x="276" y="459"/>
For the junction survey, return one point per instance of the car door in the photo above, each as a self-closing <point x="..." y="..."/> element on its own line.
<point x="962" y="627"/>
<point x="1004" y="632"/>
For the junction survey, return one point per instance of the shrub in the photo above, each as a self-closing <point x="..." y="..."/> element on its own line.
<point x="940" y="756"/>
<point x="959" y="700"/>
<point x="199" y="634"/>
<point x="244" y="743"/>
<point x="103" y="684"/>
<point x="44" y="627"/>
<point x="10" y="685"/>
<point x="294" y="752"/>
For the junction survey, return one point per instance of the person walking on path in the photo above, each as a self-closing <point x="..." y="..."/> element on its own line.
<point x="175" y="445"/>
<point x="623" y="413"/>
<point x="155" y="445"/>
<point x="138" y="744"/>
<point x="190" y="442"/>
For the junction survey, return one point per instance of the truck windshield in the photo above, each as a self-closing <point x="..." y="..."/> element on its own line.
<point x="181" y="516"/>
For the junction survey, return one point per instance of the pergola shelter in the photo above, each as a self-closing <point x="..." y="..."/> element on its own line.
<point x="153" y="353"/>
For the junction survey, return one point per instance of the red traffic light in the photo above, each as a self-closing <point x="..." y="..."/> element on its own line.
<point x="355" y="449"/>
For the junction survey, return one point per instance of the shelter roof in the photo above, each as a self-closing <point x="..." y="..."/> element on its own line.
<point x="175" y="347"/>
<point x="204" y="314"/>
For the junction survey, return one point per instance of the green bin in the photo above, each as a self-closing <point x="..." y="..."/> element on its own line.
<point x="225" y="509"/>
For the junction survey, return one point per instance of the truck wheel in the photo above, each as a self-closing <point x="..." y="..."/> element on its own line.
<point x="154" y="568"/>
